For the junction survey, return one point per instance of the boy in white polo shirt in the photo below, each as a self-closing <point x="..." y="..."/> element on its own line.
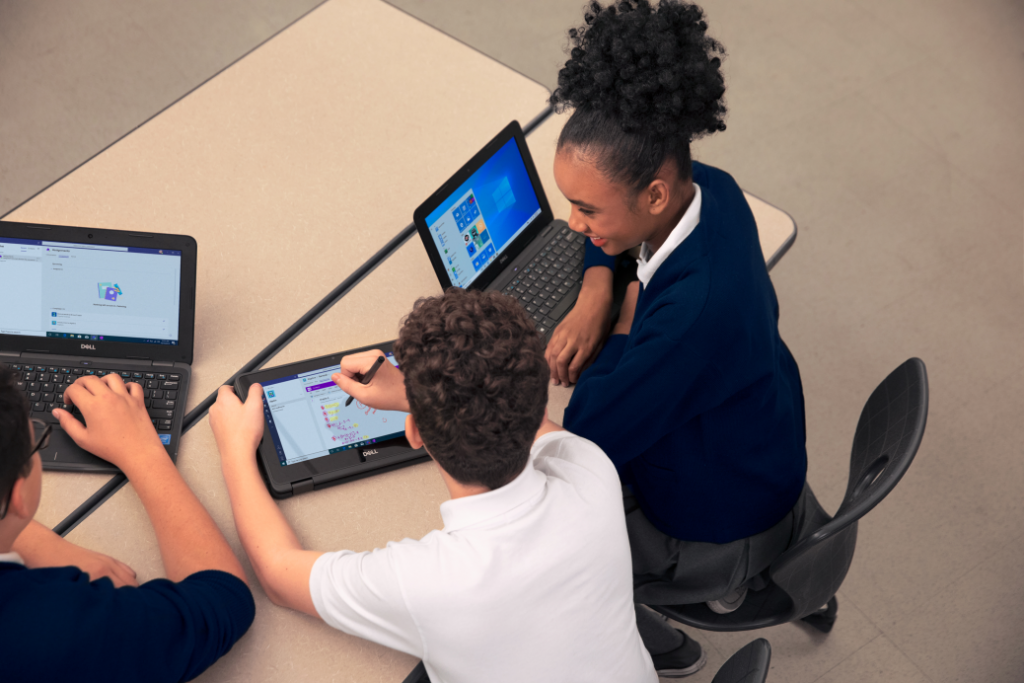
<point x="531" y="577"/>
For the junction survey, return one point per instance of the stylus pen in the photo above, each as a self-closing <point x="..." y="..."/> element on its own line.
<point x="367" y="377"/>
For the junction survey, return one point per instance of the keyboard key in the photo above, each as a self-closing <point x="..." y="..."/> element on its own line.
<point x="43" y="377"/>
<point x="164" y="404"/>
<point x="52" y="370"/>
<point x="21" y="385"/>
<point x="152" y="384"/>
<point x="168" y="385"/>
<point x="34" y="396"/>
<point x="550" y="323"/>
<point x="157" y="393"/>
<point x="530" y="308"/>
<point x="164" y="424"/>
<point x="137" y="375"/>
<point x="47" y="388"/>
<point x="170" y="394"/>
<point x="38" y="407"/>
<point x="29" y="376"/>
<point x="33" y="386"/>
<point x="125" y="374"/>
<point x="148" y="393"/>
<point x="65" y="371"/>
<point x="48" y="398"/>
<point x="161" y="414"/>
<point x="161" y="376"/>
<point x="174" y="378"/>
<point x="76" y="371"/>
<point x="150" y="375"/>
<point x="90" y="372"/>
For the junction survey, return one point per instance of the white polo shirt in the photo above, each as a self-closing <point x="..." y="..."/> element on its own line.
<point x="648" y="263"/>
<point x="529" y="582"/>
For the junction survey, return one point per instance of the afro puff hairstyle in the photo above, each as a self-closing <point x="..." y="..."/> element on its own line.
<point x="644" y="82"/>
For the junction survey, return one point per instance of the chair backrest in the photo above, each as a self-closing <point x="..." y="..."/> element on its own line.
<point x="888" y="435"/>
<point x="748" y="665"/>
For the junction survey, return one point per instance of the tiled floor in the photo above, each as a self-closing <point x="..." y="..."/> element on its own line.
<point x="891" y="130"/>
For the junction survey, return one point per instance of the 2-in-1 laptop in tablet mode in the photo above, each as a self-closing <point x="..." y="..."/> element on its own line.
<point x="85" y="301"/>
<point x="311" y="439"/>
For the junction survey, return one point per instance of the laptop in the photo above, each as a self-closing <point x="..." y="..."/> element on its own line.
<point x="315" y="435"/>
<point x="490" y="227"/>
<point x="86" y="301"/>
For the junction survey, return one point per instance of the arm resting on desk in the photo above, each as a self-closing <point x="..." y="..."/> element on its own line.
<point x="281" y="564"/>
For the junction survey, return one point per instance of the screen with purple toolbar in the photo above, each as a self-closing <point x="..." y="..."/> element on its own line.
<point x="308" y="418"/>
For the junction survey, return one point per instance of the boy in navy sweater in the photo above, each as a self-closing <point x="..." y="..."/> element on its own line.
<point x="67" y="613"/>
<point x="694" y="396"/>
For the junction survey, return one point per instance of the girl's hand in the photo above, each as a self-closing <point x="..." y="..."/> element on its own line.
<point x="579" y="337"/>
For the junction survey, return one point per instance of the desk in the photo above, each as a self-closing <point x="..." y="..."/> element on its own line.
<point x="314" y="148"/>
<point x="359" y="515"/>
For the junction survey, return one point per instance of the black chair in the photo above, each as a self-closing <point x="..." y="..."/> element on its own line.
<point x="748" y="665"/>
<point x="808" y="574"/>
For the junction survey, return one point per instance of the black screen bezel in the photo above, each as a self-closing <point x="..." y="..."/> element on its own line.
<point x="514" y="248"/>
<point x="182" y="352"/>
<point x="281" y="478"/>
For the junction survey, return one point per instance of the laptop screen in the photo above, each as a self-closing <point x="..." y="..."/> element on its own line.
<point x="89" y="291"/>
<point x="308" y="418"/>
<point x="474" y="224"/>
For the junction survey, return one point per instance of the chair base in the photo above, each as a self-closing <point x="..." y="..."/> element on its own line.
<point x="824" y="619"/>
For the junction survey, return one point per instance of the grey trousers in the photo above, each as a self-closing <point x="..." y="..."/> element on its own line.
<point x="668" y="571"/>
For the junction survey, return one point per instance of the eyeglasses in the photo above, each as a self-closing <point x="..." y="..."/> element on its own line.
<point x="43" y="430"/>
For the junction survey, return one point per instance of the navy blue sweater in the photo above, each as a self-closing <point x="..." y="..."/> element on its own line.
<point x="700" y="407"/>
<point x="56" y="625"/>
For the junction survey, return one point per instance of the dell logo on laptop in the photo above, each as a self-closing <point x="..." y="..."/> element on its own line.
<point x="503" y="259"/>
<point x="366" y="453"/>
<point x="88" y="347"/>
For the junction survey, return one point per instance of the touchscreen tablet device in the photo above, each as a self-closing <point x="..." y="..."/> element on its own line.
<point x="311" y="439"/>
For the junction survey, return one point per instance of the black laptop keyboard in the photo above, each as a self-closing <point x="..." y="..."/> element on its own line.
<point x="44" y="387"/>
<point x="548" y="285"/>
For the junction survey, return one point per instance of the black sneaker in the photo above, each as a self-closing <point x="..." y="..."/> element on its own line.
<point x="688" y="658"/>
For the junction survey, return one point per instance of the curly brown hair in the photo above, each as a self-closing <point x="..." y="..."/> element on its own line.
<point x="477" y="382"/>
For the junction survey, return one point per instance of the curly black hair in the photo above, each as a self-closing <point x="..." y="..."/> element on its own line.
<point x="644" y="82"/>
<point x="477" y="382"/>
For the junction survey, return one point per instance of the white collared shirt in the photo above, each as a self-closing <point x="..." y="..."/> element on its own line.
<point x="529" y="582"/>
<point x="12" y="557"/>
<point x="648" y="263"/>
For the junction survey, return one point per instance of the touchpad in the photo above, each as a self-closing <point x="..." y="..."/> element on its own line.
<point x="64" y="454"/>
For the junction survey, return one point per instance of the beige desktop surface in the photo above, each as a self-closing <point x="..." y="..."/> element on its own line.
<point x="359" y="515"/>
<point x="290" y="168"/>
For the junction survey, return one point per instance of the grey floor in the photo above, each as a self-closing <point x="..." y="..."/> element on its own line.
<point x="891" y="130"/>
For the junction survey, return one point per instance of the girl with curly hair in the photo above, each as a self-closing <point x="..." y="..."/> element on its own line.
<point x="693" y="394"/>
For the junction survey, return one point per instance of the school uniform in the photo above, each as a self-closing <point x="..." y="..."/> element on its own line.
<point x="527" y="582"/>
<point x="700" y="407"/>
<point x="57" y="625"/>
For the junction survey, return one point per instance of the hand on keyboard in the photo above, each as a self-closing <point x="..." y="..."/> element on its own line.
<point x="577" y="340"/>
<point x="119" y="428"/>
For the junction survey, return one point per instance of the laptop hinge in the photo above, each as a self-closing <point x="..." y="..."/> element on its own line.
<point x="163" y="364"/>
<point x="10" y="354"/>
<point x="303" y="486"/>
